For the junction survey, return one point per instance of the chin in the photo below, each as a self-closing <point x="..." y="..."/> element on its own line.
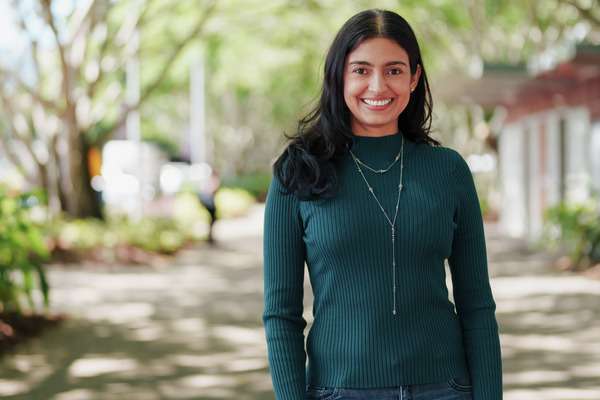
<point x="369" y="120"/>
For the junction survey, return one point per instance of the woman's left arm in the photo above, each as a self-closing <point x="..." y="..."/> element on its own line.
<point x="475" y="304"/>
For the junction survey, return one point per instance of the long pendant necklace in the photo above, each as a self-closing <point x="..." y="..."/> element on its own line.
<point x="390" y="221"/>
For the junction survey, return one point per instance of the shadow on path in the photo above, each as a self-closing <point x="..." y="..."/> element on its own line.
<point x="549" y="324"/>
<point x="192" y="330"/>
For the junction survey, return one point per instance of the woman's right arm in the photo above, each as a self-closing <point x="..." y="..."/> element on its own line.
<point x="284" y="255"/>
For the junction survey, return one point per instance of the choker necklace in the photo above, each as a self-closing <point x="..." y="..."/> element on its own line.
<point x="392" y="223"/>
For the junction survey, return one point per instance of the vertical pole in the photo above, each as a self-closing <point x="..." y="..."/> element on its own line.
<point x="133" y="117"/>
<point x="197" y="132"/>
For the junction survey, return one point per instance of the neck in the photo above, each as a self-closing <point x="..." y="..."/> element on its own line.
<point x="369" y="134"/>
<point x="384" y="130"/>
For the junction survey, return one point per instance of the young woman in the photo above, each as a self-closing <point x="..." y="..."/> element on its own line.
<point x="373" y="205"/>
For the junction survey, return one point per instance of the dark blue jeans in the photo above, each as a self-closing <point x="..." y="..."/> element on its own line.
<point x="453" y="389"/>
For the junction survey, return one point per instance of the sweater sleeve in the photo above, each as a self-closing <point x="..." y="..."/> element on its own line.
<point x="472" y="293"/>
<point x="284" y="256"/>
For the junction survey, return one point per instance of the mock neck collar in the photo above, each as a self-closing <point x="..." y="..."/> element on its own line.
<point x="380" y="148"/>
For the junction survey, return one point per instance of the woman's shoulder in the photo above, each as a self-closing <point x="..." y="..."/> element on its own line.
<point x="446" y="156"/>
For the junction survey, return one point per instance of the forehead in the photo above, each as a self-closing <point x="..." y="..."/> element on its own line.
<point x="378" y="51"/>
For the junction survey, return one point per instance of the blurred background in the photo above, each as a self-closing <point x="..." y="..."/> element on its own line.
<point x="137" y="138"/>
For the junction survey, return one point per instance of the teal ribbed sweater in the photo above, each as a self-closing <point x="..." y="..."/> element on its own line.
<point x="355" y="341"/>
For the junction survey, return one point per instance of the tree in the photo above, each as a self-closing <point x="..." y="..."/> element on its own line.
<point x="71" y="94"/>
<point x="263" y="60"/>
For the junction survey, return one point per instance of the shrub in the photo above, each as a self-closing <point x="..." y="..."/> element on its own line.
<point x="256" y="184"/>
<point x="575" y="228"/>
<point x="153" y="234"/>
<point x="22" y="253"/>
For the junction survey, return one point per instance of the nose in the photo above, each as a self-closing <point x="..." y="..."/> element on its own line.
<point x="377" y="82"/>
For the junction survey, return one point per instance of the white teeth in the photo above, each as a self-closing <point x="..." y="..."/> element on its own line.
<point x="377" y="102"/>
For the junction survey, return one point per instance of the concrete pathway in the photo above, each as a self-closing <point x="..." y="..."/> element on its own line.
<point x="549" y="325"/>
<point x="192" y="330"/>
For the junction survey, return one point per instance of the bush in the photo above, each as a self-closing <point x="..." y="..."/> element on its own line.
<point x="231" y="202"/>
<point x="157" y="234"/>
<point x="256" y="184"/>
<point x="22" y="253"/>
<point x="574" y="228"/>
<point x="153" y="234"/>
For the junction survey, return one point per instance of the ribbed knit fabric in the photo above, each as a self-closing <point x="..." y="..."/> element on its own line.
<point x="355" y="341"/>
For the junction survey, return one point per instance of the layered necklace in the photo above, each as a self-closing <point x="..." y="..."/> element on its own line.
<point x="392" y="222"/>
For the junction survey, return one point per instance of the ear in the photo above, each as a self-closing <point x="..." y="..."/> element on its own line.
<point x="414" y="79"/>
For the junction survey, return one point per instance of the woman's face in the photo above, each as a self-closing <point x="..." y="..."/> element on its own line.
<point x="377" y="85"/>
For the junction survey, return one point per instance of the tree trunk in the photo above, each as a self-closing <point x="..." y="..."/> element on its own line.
<point x="90" y="206"/>
<point x="82" y="201"/>
<point x="56" y="195"/>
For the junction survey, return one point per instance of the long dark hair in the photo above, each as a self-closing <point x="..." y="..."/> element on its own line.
<point x="307" y="165"/>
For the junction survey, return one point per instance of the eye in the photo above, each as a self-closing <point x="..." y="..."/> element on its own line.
<point x="395" y="71"/>
<point x="359" y="71"/>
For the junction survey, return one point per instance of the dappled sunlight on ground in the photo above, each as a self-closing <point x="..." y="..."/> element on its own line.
<point x="549" y="326"/>
<point x="189" y="331"/>
<point x="193" y="330"/>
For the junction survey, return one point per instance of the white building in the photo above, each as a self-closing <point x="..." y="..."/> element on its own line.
<point x="548" y="133"/>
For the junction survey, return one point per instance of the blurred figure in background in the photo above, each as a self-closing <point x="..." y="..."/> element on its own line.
<point x="206" y="196"/>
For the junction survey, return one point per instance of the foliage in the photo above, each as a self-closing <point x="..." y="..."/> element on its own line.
<point x="256" y="183"/>
<point x="230" y="202"/>
<point x="262" y="60"/>
<point x="574" y="228"/>
<point x="285" y="42"/>
<point x="70" y="82"/>
<point x="153" y="234"/>
<point x="164" y="143"/>
<point x="484" y="205"/>
<point x="156" y="234"/>
<point x="22" y="252"/>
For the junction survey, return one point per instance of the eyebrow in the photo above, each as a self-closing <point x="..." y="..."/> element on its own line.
<point x="369" y="64"/>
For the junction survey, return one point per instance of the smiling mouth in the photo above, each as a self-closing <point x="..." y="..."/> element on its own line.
<point x="377" y="103"/>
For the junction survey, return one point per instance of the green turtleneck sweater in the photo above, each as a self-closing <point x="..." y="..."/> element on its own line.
<point x="355" y="340"/>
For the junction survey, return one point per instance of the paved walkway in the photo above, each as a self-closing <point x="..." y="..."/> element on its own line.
<point x="192" y="330"/>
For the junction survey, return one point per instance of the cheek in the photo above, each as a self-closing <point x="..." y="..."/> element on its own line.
<point x="350" y="93"/>
<point x="402" y="87"/>
<point x="352" y="88"/>
<point x="402" y="103"/>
